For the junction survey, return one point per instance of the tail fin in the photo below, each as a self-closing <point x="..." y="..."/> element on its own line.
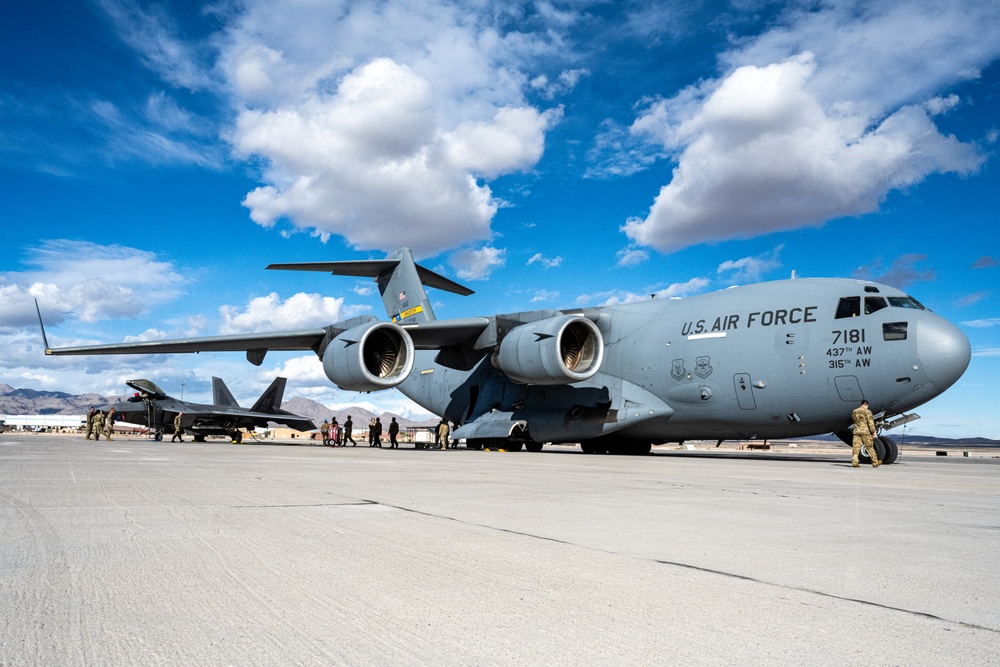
<point x="400" y="282"/>
<point x="221" y="394"/>
<point x="270" y="400"/>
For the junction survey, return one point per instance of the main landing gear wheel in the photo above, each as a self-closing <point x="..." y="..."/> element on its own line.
<point x="891" y="449"/>
<point x="879" y="452"/>
<point x="533" y="446"/>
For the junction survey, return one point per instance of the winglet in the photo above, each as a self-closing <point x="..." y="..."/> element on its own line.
<point x="45" y="341"/>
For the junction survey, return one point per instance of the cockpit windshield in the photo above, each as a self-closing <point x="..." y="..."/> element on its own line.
<point x="905" y="302"/>
<point x="850" y="306"/>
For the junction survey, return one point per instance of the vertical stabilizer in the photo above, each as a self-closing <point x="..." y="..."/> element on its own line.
<point x="403" y="292"/>
<point x="221" y="394"/>
<point x="270" y="400"/>
<point x="400" y="282"/>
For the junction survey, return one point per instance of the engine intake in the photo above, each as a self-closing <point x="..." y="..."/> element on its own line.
<point x="369" y="357"/>
<point x="557" y="350"/>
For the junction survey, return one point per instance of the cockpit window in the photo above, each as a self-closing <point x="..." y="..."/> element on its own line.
<point x="905" y="302"/>
<point x="894" y="331"/>
<point x="849" y="306"/>
<point x="874" y="304"/>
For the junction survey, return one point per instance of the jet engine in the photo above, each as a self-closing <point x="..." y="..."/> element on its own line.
<point x="556" y="350"/>
<point x="369" y="357"/>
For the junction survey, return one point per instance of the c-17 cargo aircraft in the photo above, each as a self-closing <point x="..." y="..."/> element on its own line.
<point x="782" y="359"/>
<point x="151" y="407"/>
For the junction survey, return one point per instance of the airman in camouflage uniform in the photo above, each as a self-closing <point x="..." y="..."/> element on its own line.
<point x="864" y="432"/>
<point x="90" y="422"/>
<point x="109" y="425"/>
<point x="98" y="424"/>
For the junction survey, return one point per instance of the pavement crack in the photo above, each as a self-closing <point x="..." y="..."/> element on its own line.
<point x="697" y="568"/>
<point x="833" y="596"/>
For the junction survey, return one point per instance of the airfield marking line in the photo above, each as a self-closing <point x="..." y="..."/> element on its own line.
<point x="698" y="568"/>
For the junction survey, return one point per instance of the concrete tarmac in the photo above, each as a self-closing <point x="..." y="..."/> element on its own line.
<point x="146" y="553"/>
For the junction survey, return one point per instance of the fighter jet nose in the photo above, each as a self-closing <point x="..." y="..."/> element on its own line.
<point x="943" y="350"/>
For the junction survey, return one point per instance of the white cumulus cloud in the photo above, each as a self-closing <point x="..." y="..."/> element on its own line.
<point x="270" y="313"/>
<point x="818" y="118"/>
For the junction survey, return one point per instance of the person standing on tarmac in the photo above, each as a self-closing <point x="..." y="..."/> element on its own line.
<point x="90" y="422"/>
<point x="324" y="431"/>
<point x="442" y="431"/>
<point x="393" y="432"/>
<point x="335" y="433"/>
<point x="378" y="432"/>
<point x="864" y="432"/>
<point x="348" y="429"/>
<point x="98" y="424"/>
<point x="178" y="430"/>
<point x="371" y="432"/>
<point x="109" y="424"/>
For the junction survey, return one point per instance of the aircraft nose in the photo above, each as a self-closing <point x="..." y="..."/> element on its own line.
<point x="943" y="350"/>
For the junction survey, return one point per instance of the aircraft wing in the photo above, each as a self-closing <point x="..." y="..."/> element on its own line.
<point x="436" y="334"/>
<point x="255" y="345"/>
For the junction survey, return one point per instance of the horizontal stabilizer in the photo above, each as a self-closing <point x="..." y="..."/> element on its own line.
<point x="373" y="268"/>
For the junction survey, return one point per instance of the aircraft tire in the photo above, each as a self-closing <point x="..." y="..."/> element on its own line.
<point x="474" y="444"/>
<point x="533" y="446"/>
<point x="588" y="447"/>
<point x="158" y="436"/>
<point x="639" y="448"/>
<point x="512" y="445"/>
<point x="879" y="452"/>
<point x="891" y="449"/>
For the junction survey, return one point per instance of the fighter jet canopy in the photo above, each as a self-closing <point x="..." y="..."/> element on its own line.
<point x="146" y="387"/>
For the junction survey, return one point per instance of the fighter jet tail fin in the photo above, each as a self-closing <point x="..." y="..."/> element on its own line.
<point x="270" y="400"/>
<point x="221" y="394"/>
<point x="400" y="281"/>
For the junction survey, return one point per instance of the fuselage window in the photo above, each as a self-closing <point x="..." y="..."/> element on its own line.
<point x="905" y="302"/>
<point x="874" y="304"/>
<point x="894" y="331"/>
<point x="849" y="306"/>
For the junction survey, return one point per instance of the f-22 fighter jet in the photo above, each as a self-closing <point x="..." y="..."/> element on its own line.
<point x="151" y="407"/>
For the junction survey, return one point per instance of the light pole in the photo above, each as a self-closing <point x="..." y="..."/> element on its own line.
<point x="182" y="390"/>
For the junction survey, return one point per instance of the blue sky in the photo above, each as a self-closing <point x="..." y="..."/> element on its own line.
<point x="156" y="156"/>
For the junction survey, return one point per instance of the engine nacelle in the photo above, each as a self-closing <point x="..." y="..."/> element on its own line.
<point x="557" y="350"/>
<point x="369" y="357"/>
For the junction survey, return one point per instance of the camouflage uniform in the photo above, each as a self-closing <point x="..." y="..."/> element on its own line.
<point x="98" y="424"/>
<point x="90" y="422"/>
<point x="178" y="429"/>
<point x="864" y="430"/>
<point x="109" y="425"/>
<point x="442" y="431"/>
